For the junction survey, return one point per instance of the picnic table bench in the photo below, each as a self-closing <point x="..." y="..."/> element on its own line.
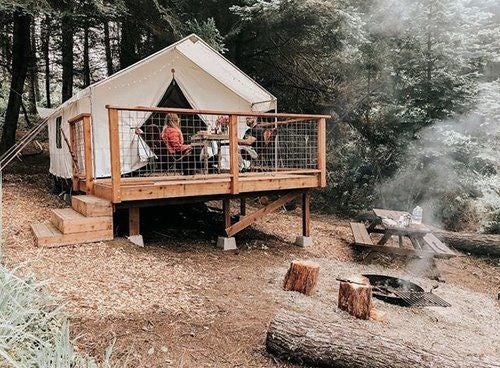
<point x="421" y="237"/>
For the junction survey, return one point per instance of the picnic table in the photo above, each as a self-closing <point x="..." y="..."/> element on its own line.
<point x="205" y="140"/>
<point x="420" y="236"/>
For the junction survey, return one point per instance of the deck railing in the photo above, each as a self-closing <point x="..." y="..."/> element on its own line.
<point x="185" y="144"/>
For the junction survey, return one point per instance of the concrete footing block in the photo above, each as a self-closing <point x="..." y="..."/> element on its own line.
<point x="226" y="243"/>
<point x="304" y="241"/>
<point x="136" y="239"/>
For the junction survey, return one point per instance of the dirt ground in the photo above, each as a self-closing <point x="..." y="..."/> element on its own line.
<point x="181" y="302"/>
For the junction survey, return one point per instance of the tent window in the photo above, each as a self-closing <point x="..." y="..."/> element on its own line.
<point x="58" y="132"/>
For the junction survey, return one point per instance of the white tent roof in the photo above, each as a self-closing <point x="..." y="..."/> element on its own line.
<point x="208" y="59"/>
<point x="207" y="79"/>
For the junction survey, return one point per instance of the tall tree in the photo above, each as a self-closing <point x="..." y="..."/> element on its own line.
<point x="19" y="68"/>
<point x="107" y="48"/>
<point x="46" y="27"/>
<point x="86" y="58"/>
<point x="67" y="42"/>
<point x="32" y="85"/>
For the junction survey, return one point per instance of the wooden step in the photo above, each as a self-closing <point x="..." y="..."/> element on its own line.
<point x="47" y="235"/>
<point x="91" y="206"/>
<point x="68" y="221"/>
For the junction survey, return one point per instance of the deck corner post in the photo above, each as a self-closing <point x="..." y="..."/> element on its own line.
<point x="89" y="167"/>
<point x="72" y="148"/>
<point x="322" y="152"/>
<point x="114" y="146"/>
<point x="234" y="154"/>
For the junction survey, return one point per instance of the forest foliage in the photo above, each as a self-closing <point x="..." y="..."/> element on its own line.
<point x="412" y="85"/>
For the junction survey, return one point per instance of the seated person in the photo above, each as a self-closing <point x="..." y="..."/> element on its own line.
<point x="172" y="136"/>
<point x="173" y="139"/>
<point x="256" y="138"/>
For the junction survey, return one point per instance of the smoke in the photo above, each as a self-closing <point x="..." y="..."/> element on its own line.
<point x="453" y="170"/>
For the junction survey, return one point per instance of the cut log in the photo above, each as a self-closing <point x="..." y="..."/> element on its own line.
<point x="479" y="244"/>
<point x="302" y="276"/>
<point x="305" y="340"/>
<point x="356" y="299"/>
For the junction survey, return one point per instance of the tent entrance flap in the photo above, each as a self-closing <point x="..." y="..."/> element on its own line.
<point x="173" y="97"/>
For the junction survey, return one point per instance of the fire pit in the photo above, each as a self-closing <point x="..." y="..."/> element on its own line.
<point x="402" y="292"/>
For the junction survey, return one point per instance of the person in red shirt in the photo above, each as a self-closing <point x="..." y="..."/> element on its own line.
<point x="173" y="139"/>
<point x="172" y="136"/>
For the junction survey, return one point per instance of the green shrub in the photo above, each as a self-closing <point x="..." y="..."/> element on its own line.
<point x="34" y="332"/>
<point x="492" y="224"/>
<point x="456" y="212"/>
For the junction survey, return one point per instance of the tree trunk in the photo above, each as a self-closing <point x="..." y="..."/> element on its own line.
<point x="305" y="340"/>
<point x="86" y="60"/>
<point x="107" y="48"/>
<point x="67" y="56"/>
<point x="33" y="74"/>
<point x="302" y="276"/>
<point x="45" y="50"/>
<point x="479" y="244"/>
<point x="6" y="45"/>
<point x="128" y="44"/>
<point x="20" y="56"/>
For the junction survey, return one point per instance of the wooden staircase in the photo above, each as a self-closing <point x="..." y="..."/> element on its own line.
<point x="89" y="220"/>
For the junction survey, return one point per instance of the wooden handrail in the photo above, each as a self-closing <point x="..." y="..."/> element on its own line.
<point x="216" y="112"/>
<point x="79" y="117"/>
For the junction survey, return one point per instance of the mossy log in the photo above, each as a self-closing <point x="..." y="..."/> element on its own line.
<point x="479" y="244"/>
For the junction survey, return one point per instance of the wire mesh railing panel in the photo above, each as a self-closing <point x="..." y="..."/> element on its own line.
<point x="162" y="143"/>
<point x="80" y="147"/>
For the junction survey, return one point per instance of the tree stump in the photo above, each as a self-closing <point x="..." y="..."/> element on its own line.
<point x="356" y="299"/>
<point x="302" y="276"/>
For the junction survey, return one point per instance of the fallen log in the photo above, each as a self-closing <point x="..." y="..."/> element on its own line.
<point x="479" y="244"/>
<point x="305" y="340"/>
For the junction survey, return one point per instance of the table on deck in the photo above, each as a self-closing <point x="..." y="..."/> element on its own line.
<point x="204" y="140"/>
<point x="420" y="235"/>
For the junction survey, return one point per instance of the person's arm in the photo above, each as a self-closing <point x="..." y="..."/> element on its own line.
<point x="247" y="141"/>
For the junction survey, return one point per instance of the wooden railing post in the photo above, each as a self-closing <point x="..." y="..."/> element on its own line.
<point x="114" y="147"/>
<point x="234" y="154"/>
<point x="89" y="167"/>
<point x="322" y="151"/>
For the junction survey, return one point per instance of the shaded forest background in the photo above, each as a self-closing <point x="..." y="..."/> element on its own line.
<point x="413" y="86"/>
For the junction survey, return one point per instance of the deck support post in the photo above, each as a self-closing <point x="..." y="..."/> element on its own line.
<point x="306" y="239"/>
<point x="243" y="206"/>
<point x="226" y="209"/>
<point x="134" y="220"/>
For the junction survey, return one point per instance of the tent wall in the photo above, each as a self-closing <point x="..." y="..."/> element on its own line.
<point x="60" y="158"/>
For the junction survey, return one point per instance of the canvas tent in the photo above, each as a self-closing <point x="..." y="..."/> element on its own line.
<point x="187" y="71"/>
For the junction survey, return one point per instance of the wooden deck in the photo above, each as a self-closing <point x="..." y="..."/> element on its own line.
<point x="163" y="187"/>
<point x="290" y="165"/>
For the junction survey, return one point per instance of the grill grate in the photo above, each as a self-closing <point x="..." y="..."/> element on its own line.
<point x="421" y="299"/>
